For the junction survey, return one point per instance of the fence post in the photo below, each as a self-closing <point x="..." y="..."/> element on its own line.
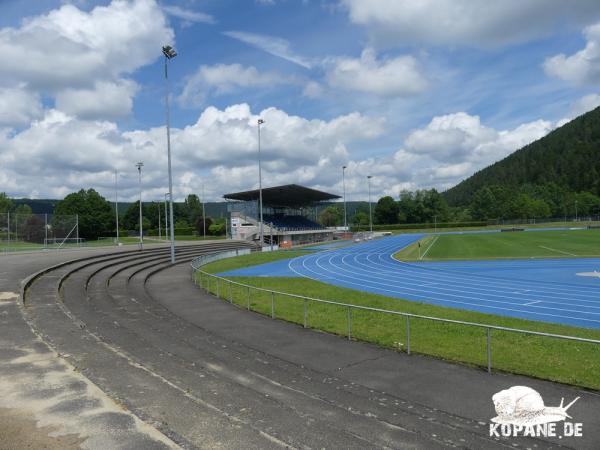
<point x="272" y="305"/>
<point x="489" y="350"/>
<point x="248" y="298"/>
<point x="305" y="313"/>
<point x="349" y="320"/>
<point x="230" y="292"/>
<point x="408" y="335"/>
<point x="217" y="280"/>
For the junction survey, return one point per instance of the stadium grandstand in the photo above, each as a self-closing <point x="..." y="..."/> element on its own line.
<point x="289" y="215"/>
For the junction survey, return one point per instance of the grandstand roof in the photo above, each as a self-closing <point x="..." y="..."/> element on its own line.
<point x="289" y="195"/>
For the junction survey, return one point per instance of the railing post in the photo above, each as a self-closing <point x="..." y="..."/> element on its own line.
<point x="272" y="305"/>
<point x="349" y="320"/>
<point x="230" y="292"/>
<point x="305" y="313"/>
<point x="489" y="350"/>
<point x="408" y="335"/>
<point x="248" y="298"/>
<point x="217" y="281"/>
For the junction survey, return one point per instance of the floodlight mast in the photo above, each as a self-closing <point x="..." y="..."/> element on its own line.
<point x="370" y="213"/>
<point x="169" y="53"/>
<point x="260" y="199"/>
<point x="344" y="189"/>
<point x="139" y="168"/>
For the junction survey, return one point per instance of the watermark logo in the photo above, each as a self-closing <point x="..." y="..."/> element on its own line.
<point x="521" y="412"/>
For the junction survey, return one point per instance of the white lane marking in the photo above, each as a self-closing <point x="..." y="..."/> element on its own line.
<point x="532" y="303"/>
<point x="430" y="245"/>
<point x="557" y="251"/>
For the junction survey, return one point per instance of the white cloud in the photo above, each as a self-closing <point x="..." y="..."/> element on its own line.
<point x="466" y="22"/>
<point x="582" y="67"/>
<point x="69" y="153"/>
<point x="18" y="106"/>
<point x="456" y="145"/>
<point x="271" y="44"/>
<point x="226" y="78"/>
<point x="69" y="50"/>
<point x="313" y="89"/>
<point x="188" y="15"/>
<point x="400" y="76"/>
<point x="105" y="100"/>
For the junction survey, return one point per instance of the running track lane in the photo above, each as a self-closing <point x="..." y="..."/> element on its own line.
<point x="371" y="267"/>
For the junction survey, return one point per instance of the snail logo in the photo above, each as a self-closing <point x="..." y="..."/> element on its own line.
<point x="521" y="412"/>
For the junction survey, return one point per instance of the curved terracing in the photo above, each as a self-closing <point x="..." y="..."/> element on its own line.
<point x="209" y="375"/>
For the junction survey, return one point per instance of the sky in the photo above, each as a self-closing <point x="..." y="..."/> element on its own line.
<point x="417" y="94"/>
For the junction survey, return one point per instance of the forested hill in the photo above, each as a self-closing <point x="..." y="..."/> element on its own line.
<point x="568" y="157"/>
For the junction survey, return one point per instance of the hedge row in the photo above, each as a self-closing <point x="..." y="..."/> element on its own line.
<point x="418" y="226"/>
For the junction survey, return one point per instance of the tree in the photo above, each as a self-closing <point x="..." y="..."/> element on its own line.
<point x="94" y="211"/>
<point x="217" y="229"/>
<point x="193" y="208"/>
<point x="331" y="216"/>
<point x="360" y="219"/>
<point x="434" y="206"/>
<point x="202" y="226"/>
<point x="34" y="230"/>
<point x="482" y="204"/>
<point x="6" y="204"/>
<point x="386" y="211"/>
<point x="130" y="220"/>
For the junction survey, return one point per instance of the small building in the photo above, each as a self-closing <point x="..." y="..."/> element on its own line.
<point x="289" y="215"/>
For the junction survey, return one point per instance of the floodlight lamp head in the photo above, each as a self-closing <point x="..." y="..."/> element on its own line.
<point x="169" y="52"/>
<point x="369" y="176"/>
<point x="261" y="121"/>
<point x="139" y="166"/>
<point x="344" y="167"/>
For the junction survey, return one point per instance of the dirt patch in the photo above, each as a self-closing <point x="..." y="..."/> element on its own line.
<point x="8" y="296"/>
<point x="19" y="430"/>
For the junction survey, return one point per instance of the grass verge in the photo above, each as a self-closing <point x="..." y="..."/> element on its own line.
<point x="557" y="360"/>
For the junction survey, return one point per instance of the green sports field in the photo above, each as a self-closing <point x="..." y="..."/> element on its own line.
<point x="517" y="244"/>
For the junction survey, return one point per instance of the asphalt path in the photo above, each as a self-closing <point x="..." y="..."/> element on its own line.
<point x="201" y="373"/>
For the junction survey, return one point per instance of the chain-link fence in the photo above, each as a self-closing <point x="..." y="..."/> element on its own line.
<point x="38" y="231"/>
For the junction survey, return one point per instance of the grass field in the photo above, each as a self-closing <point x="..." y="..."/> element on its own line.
<point x="580" y="224"/>
<point x="539" y="244"/>
<point x="563" y="361"/>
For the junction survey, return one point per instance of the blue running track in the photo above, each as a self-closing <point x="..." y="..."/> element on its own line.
<point x="538" y="289"/>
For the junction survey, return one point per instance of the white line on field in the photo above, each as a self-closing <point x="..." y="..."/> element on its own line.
<point x="430" y="245"/>
<point x="532" y="303"/>
<point x="558" y="251"/>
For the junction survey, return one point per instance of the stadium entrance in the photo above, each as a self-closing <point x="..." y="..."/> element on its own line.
<point x="289" y="215"/>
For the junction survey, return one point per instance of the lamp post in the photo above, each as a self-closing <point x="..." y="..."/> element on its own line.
<point x="166" y="217"/>
<point x="159" y="220"/>
<point x="169" y="53"/>
<point x="139" y="168"/>
<point x="370" y="212"/>
<point x="117" y="203"/>
<point x="576" y="218"/>
<point x="344" y="189"/>
<point x="260" y="200"/>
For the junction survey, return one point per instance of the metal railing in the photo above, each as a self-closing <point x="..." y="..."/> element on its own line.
<point x="203" y="279"/>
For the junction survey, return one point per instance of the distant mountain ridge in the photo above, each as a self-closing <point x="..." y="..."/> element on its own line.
<point x="568" y="156"/>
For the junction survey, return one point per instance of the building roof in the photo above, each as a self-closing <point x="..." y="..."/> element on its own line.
<point x="289" y="195"/>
